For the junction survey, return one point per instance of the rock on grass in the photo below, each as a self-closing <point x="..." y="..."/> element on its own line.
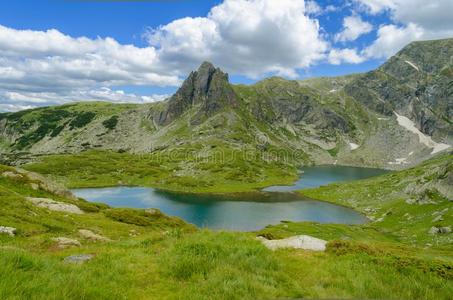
<point x="305" y="242"/>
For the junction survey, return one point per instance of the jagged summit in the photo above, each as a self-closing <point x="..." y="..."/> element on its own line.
<point x="208" y="87"/>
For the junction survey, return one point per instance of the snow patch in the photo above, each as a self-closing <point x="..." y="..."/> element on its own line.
<point x="399" y="161"/>
<point x="423" y="138"/>
<point x="412" y="65"/>
<point x="353" y="146"/>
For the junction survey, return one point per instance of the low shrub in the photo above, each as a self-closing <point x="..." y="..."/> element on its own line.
<point x="111" y="122"/>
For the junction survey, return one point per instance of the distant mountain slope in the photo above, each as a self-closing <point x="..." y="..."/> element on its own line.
<point x="418" y="83"/>
<point x="397" y="115"/>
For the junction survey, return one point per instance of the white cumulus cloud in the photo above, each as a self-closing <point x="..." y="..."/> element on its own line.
<point x="346" y="55"/>
<point x="13" y="101"/>
<point x="353" y="27"/>
<point x="413" y="20"/>
<point x="391" y="38"/>
<point x="245" y="37"/>
<point x="249" y="37"/>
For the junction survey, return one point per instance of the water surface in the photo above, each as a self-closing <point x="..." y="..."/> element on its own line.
<point x="242" y="211"/>
<point x="316" y="176"/>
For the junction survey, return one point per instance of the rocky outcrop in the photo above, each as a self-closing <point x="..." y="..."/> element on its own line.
<point x="90" y="235"/>
<point x="439" y="230"/>
<point x="208" y="88"/>
<point x="11" y="231"/>
<point x="305" y="242"/>
<point x="37" y="181"/>
<point x="55" y="205"/>
<point x="63" y="242"/>
<point x="417" y="82"/>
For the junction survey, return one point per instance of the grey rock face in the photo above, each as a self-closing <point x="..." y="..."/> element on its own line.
<point x="417" y="82"/>
<point x="207" y="87"/>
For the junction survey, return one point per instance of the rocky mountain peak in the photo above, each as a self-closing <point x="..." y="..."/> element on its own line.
<point x="208" y="87"/>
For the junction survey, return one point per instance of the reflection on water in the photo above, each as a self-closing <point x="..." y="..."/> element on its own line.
<point x="321" y="175"/>
<point x="243" y="212"/>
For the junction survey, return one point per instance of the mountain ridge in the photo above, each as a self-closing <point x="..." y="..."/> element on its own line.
<point x="349" y="120"/>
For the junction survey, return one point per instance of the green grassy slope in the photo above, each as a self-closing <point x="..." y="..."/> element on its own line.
<point x="181" y="170"/>
<point x="405" y="203"/>
<point x="151" y="256"/>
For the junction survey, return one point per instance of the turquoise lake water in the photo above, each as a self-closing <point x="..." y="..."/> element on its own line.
<point x="242" y="211"/>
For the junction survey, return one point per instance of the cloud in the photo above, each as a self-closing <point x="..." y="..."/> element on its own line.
<point x="374" y="6"/>
<point x="253" y="38"/>
<point x="414" y="20"/>
<point x="350" y="56"/>
<point x="13" y="101"/>
<point x="391" y="38"/>
<point x="431" y="15"/>
<point x="248" y="37"/>
<point x="47" y="67"/>
<point x="43" y="57"/>
<point x="312" y="8"/>
<point x="353" y="27"/>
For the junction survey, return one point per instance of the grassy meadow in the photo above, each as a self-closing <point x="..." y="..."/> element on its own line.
<point x="153" y="256"/>
<point x="176" y="170"/>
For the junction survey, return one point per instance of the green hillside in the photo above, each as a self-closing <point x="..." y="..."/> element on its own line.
<point x="143" y="254"/>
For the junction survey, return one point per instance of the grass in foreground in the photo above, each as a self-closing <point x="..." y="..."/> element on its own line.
<point x="219" y="265"/>
<point x="158" y="257"/>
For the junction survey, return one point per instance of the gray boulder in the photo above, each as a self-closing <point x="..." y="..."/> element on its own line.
<point x="78" y="258"/>
<point x="305" y="242"/>
<point x="439" y="230"/>
<point x="64" y="242"/>
<point x="55" y="205"/>
<point x="11" y="231"/>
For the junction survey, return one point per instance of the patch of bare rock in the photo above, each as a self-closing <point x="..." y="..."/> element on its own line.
<point x="440" y="230"/>
<point x="305" y="242"/>
<point x="55" y="205"/>
<point x="90" y="235"/>
<point x="63" y="242"/>
<point x="38" y="181"/>
<point x="11" y="231"/>
<point x="78" y="258"/>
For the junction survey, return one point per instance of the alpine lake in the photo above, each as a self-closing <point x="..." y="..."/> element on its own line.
<point x="243" y="211"/>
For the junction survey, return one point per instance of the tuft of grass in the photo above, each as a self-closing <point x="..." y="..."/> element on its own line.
<point x="224" y="265"/>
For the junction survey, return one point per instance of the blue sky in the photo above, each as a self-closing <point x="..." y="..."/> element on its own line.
<point x="52" y="52"/>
